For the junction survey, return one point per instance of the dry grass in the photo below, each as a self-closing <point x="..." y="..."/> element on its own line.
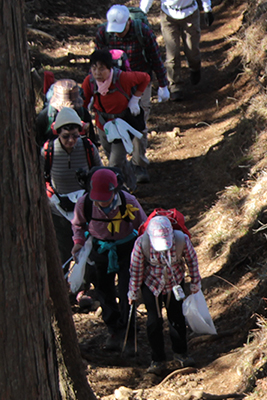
<point x="240" y="208"/>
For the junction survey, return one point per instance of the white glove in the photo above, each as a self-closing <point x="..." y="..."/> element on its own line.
<point x="133" y="105"/>
<point x="163" y="94"/>
<point x="145" y="5"/>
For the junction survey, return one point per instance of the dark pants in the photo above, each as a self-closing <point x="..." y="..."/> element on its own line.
<point x="64" y="237"/>
<point x="177" y="326"/>
<point x="114" y="315"/>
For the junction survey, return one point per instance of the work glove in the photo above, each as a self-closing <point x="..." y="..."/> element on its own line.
<point x="209" y="18"/>
<point x="163" y="94"/>
<point x="134" y="105"/>
<point x="66" y="204"/>
<point x="145" y="5"/>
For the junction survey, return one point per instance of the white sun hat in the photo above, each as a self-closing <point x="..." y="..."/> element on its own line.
<point x="117" y="17"/>
<point x="160" y="232"/>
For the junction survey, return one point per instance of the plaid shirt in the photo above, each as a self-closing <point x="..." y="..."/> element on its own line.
<point x="156" y="274"/>
<point x="130" y="44"/>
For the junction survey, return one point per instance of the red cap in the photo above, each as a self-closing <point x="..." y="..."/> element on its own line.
<point x="103" y="183"/>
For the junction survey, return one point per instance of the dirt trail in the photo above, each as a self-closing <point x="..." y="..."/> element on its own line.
<point x="187" y="172"/>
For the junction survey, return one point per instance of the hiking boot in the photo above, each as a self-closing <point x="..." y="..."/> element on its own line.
<point x="156" y="367"/>
<point x="113" y="342"/>
<point x="184" y="360"/>
<point x="195" y="77"/>
<point x="141" y="174"/>
<point x="177" y="96"/>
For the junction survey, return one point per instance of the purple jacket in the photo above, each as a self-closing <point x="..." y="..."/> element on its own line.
<point x="103" y="230"/>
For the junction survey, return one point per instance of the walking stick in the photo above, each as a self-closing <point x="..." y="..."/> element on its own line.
<point x="64" y="265"/>
<point x="135" y="331"/>
<point x="128" y="327"/>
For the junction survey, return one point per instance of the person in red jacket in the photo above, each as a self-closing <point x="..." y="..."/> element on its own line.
<point x="116" y="94"/>
<point x="125" y="31"/>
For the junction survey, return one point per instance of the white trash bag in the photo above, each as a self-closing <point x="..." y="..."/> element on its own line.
<point x="75" y="279"/>
<point x="119" y="129"/>
<point x="197" y="314"/>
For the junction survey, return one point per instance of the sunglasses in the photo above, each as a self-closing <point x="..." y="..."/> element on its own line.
<point x="70" y="127"/>
<point x="66" y="136"/>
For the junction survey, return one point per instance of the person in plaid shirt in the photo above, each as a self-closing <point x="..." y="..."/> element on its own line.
<point x="146" y="58"/>
<point x="158" y="268"/>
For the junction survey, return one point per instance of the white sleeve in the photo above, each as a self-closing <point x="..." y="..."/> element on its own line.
<point x="206" y="5"/>
<point x="145" y="5"/>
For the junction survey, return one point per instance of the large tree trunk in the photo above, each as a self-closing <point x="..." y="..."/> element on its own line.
<point x="72" y="375"/>
<point x="28" y="367"/>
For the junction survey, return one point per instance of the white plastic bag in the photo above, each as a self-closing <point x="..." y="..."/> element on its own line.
<point x="73" y="196"/>
<point x="119" y="129"/>
<point x="76" y="277"/>
<point x="197" y="314"/>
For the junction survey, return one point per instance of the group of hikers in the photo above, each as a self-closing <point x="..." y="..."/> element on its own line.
<point x="131" y="252"/>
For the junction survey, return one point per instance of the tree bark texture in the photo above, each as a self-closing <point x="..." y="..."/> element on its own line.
<point x="73" y="380"/>
<point x="28" y="367"/>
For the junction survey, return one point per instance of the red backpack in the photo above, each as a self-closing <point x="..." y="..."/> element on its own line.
<point x="176" y="218"/>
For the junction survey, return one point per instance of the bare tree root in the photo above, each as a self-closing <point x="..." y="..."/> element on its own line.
<point x="199" y="395"/>
<point x="41" y="33"/>
<point x="212" y="338"/>
<point x="182" y="371"/>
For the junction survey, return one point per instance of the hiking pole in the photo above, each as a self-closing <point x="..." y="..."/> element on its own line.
<point x="128" y="327"/>
<point x="135" y="331"/>
<point x="63" y="266"/>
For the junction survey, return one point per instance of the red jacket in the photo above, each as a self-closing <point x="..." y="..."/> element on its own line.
<point x="115" y="102"/>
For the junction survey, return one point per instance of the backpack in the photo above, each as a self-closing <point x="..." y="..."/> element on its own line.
<point x="179" y="244"/>
<point x="177" y="221"/>
<point x="49" y="152"/>
<point x="137" y="16"/>
<point x="88" y="203"/>
<point x="48" y="89"/>
<point x="176" y="218"/>
<point x="88" y="209"/>
<point x="52" y="111"/>
<point x="115" y="82"/>
<point x="84" y="177"/>
<point x="120" y="59"/>
<point x="49" y="79"/>
<point x="137" y="122"/>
